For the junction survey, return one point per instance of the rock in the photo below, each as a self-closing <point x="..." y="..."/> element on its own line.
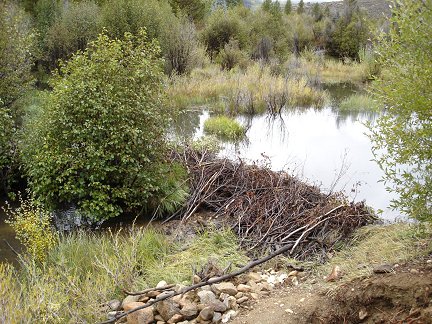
<point x="281" y="278"/>
<point x="142" y="316"/>
<point x="414" y="271"/>
<point x="226" y="287"/>
<point x="217" y="318"/>
<point x="271" y="279"/>
<point x="153" y="294"/>
<point x="254" y="296"/>
<point x="335" y="274"/>
<point x="382" y="268"/>
<point x="294" y="281"/>
<point x="239" y="295"/>
<point x="228" y="316"/>
<point x="207" y="297"/>
<point x="189" y="311"/>
<point x="265" y="286"/>
<point x="363" y="314"/>
<point x="219" y="306"/>
<point x="144" y="299"/>
<point x="114" y="304"/>
<point x="254" y="286"/>
<point x="113" y="314"/>
<point x="244" y="288"/>
<point x="159" y="318"/>
<point x="253" y="276"/>
<point x="196" y="279"/>
<point x="167" y="309"/>
<point x="223" y="296"/>
<point x="289" y="311"/>
<point x="187" y="298"/>
<point x="293" y="273"/>
<point x="242" y="300"/>
<point x="231" y="302"/>
<point x="130" y="299"/>
<point x="160" y="322"/>
<point x="179" y="287"/>
<point x="206" y="314"/>
<point x="161" y="284"/>
<point x="175" y="319"/>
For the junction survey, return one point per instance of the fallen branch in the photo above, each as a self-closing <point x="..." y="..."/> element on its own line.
<point x="203" y="283"/>
<point x="136" y="293"/>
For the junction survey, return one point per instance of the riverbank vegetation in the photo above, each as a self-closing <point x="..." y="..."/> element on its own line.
<point x="358" y="102"/>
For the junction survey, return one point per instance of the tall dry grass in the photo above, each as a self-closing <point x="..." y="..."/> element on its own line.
<point x="87" y="269"/>
<point x="253" y="90"/>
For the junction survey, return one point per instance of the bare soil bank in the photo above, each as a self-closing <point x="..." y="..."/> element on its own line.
<point x="403" y="296"/>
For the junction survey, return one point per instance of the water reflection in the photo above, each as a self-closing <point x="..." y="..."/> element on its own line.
<point x="322" y="145"/>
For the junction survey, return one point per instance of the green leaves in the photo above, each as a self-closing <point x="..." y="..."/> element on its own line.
<point x="100" y="140"/>
<point x="402" y="137"/>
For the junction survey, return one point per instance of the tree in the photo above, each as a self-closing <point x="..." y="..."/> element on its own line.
<point x="402" y="136"/>
<point x="99" y="140"/>
<point x="288" y="7"/>
<point x="317" y="12"/>
<point x="300" y="7"/>
<point x="16" y="60"/>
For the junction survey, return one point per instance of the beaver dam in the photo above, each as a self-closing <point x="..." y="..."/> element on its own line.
<point x="269" y="209"/>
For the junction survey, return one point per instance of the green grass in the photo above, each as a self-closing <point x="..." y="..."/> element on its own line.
<point x="379" y="244"/>
<point x="87" y="269"/>
<point x="224" y="127"/>
<point x="358" y="102"/>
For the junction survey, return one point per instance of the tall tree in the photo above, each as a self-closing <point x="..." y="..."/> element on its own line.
<point x="300" y="7"/>
<point x="288" y="7"/>
<point x="402" y="136"/>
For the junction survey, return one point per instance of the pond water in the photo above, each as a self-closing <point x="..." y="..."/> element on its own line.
<point x="326" y="147"/>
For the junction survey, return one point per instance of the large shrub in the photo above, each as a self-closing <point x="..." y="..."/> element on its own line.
<point x="16" y="60"/>
<point x="402" y="136"/>
<point x="99" y="141"/>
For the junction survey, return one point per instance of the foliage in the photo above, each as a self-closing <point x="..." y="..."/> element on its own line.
<point x="16" y="53"/>
<point x="86" y="269"/>
<point x="221" y="27"/>
<point x="17" y="49"/>
<point x="358" y="102"/>
<point x="350" y="33"/>
<point x="300" y="7"/>
<point x="288" y="7"/>
<point x="181" y="47"/>
<point x="99" y="141"/>
<point x="195" y="9"/>
<point x="224" y="127"/>
<point x="77" y="24"/>
<point x="402" y="136"/>
<point x="231" y="55"/>
<point x="32" y="225"/>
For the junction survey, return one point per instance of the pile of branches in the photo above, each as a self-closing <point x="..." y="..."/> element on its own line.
<point x="270" y="209"/>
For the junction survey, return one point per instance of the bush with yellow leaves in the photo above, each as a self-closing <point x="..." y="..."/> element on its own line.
<point x="32" y="225"/>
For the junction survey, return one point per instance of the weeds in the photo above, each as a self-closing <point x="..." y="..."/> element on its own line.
<point x="378" y="244"/>
<point x="224" y="127"/>
<point x="87" y="269"/>
<point x="358" y="102"/>
<point x="249" y="91"/>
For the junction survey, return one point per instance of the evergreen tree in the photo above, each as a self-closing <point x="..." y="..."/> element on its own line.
<point x="300" y="7"/>
<point x="288" y="7"/>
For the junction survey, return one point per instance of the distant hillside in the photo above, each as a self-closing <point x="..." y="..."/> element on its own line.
<point x="374" y="8"/>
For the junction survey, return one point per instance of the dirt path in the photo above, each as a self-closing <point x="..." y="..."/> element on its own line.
<point x="403" y="296"/>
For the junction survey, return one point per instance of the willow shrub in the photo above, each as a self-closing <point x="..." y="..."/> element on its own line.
<point x="99" y="140"/>
<point x="402" y="136"/>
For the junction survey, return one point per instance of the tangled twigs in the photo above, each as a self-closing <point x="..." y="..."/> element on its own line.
<point x="269" y="209"/>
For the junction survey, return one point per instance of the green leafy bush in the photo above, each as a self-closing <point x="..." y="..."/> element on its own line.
<point x="99" y="142"/>
<point x="224" y="127"/>
<point x="405" y="130"/>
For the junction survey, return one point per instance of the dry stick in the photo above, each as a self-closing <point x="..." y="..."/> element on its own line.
<point x="135" y="293"/>
<point x="204" y="283"/>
